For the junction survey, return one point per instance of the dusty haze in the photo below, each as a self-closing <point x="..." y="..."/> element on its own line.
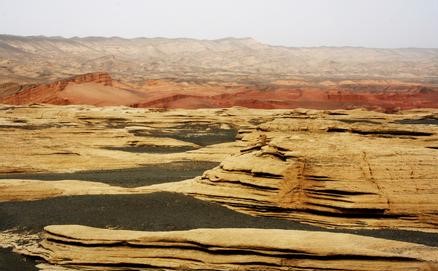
<point x="368" y="23"/>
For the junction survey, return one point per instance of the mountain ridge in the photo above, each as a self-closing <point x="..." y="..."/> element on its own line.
<point x="230" y="38"/>
<point x="229" y="59"/>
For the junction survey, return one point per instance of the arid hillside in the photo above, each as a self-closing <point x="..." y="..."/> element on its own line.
<point x="100" y="89"/>
<point x="42" y="59"/>
<point x="189" y="73"/>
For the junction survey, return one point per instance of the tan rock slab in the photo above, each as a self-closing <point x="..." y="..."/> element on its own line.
<point x="228" y="249"/>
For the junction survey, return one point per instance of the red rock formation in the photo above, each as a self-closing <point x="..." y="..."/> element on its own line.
<point x="48" y="93"/>
<point x="99" y="89"/>
<point x="318" y="98"/>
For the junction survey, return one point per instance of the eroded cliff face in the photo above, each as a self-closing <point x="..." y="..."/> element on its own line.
<point x="50" y="93"/>
<point x="333" y="170"/>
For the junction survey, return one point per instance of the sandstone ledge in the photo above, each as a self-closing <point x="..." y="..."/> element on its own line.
<point x="317" y="169"/>
<point x="227" y="249"/>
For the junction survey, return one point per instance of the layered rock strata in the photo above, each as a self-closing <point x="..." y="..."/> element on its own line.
<point x="342" y="169"/>
<point x="85" y="248"/>
<point x="334" y="173"/>
<point x="73" y="138"/>
<point x="354" y="169"/>
<point x="49" y="93"/>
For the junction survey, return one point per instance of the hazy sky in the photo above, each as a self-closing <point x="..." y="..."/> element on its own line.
<point x="370" y="23"/>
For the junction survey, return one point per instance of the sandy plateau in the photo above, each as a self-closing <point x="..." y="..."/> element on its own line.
<point x="119" y="188"/>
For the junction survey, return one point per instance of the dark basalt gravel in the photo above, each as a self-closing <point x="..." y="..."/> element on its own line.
<point x="430" y="121"/>
<point x="10" y="261"/>
<point x="130" y="177"/>
<point x="160" y="211"/>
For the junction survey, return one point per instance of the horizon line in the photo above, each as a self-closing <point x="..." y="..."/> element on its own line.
<point x="218" y="39"/>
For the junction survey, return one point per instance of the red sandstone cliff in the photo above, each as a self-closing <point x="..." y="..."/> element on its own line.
<point x="49" y="93"/>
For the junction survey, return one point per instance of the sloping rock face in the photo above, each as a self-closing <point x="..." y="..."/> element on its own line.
<point x="227" y="249"/>
<point x="49" y="93"/>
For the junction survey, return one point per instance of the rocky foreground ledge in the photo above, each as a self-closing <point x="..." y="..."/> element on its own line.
<point x="348" y="171"/>
<point x="86" y="248"/>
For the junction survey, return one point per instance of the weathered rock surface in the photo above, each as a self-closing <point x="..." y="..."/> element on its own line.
<point x="86" y="248"/>
<point x="341" y="169"/>
<point x="354" y="169"/>
<point x="23" y="190"/>
<point x="334" y="170"/>
<point x="73" y="138"/>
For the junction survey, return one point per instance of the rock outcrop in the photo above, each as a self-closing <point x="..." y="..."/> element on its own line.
<point x="85" y="248"/>
<point x="72" y="138"/>
<point x="332" y="170"/>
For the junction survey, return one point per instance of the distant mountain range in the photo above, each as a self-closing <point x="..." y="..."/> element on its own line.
<point x="42" y="59"/>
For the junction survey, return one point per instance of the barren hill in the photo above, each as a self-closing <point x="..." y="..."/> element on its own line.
<point x="39" y="58"/>
<point x="100" y="89"/>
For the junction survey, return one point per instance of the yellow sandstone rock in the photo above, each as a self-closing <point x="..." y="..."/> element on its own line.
<point x="227" y="249"/>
